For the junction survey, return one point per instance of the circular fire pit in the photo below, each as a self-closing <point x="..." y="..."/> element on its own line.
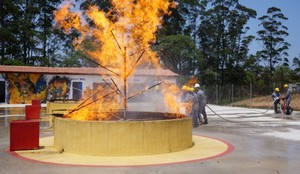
<point x="142" y="133"/>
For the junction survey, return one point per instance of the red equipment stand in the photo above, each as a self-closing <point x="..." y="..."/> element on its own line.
<point x="24" y="134"/>
<point x="36" y="102"/>
<point x="32" y="112"/>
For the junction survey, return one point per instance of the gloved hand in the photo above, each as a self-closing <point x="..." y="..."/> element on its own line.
<point x="276" y="99"/>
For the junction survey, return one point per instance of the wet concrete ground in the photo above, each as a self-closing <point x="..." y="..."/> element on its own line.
<point x="264" y="143"/>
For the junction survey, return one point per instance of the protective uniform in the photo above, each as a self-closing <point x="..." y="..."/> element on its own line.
<point x="184" y="93"/>
<point x="202" y="103"/>
<point x="288" y="99"/>
<point x="195" y="108"/>
<point x="276" y="99"/>
<point x="193" y="112"/>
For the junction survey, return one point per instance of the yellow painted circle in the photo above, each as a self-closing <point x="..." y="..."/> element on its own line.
<point x="204" y="148"/>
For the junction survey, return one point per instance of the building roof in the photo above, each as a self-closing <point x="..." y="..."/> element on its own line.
<point x="79" y="70"/>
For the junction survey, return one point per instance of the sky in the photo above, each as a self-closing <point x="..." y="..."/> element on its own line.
<point x="290" y="9"/>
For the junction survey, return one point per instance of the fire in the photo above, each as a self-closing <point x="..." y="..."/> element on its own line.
<point x="191" y="82"/>
<point x="171" y="98"/>
<point x="125" y="31"/>
<point x="96" y="105"/>
<point x="117" y="39"/>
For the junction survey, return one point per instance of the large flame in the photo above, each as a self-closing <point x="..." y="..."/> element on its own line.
<point x="96" y="106"/>
<point x="117" y="38"/>
<point x="126" y="30"/>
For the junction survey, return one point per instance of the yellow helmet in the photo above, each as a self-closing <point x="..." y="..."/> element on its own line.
<point x="277" y="89"/>
<point x="286" y="86"/>
<point x="192" y="89"/>
<point x="184" y="87"/>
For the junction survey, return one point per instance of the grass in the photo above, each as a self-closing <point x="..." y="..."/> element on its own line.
<point x="266" y="102"/>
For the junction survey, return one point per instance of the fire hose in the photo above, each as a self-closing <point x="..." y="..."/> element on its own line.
<point x="270" y="107"/>
<point x="219" y="115"/>
<point x="237" y="121"/>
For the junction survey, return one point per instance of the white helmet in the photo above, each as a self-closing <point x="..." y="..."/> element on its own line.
<point x="197" y="85"/>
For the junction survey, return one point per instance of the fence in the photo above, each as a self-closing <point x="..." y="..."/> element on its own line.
<point x="227" y="94"/>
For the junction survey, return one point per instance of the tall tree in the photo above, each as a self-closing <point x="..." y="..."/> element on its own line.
<point x="2" y="26"/>
<point x="27" y="37"/>
<point x="223" y="40"/>
<point x="26" y="34"/>
<point x="184" y="19"/>
<point x="101" y="4"/>
<point x="296" y="64"/>
<point x="273" y="38"/>
<point x="9" y="32"/>
<point x="46" y="35"/>
<point x="177" y="53"/>
<point x="20" y="28"/>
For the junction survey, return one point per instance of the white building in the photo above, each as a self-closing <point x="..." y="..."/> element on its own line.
<point x="21" y="84"/>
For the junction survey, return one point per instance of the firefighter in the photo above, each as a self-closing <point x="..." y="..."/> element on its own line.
<point x="288" y="99"/>
<point x="184" y="92"/>
<point x="202" y="103"/>
<point x="276" y="99"/>
<point x="184" y="100"/>
<point x="195" y="107"/>
<point x="192" y="99"/>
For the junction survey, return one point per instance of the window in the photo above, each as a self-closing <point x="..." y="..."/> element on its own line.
<point x="2" y="91"/>
<point x="77" y="90"/>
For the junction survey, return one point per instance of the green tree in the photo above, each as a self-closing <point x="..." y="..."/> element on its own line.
<point x="10" y="47"/>
<point x="184" y="19"/>
<point x="223" y="40"/>
<point x="296" y="64"/>
<point x="2" y="30"/>
<point x="177" y="53"/>
<point x="28" y="11"/>
<point x="101" y="4"/>
<point x="284" y="74"/>
<point x="273" y="38"/>
<point x="47" y="37"/>
<point x="27" y="36"/>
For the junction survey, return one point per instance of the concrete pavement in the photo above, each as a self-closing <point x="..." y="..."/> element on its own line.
<point x="263" y="143"/>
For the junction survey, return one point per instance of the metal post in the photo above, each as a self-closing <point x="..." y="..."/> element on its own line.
<point x="217" y="95"/>
<point x="125" y="84"/>
<point x="231" y="93"/>
<point x="250" y="95"/>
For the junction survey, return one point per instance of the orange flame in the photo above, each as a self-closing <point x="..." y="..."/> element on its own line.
<point x="96" y="106"/>
<point x="171" y="98"/>
<point x="127" y="29"/>
<point x="122" y="34"/>
<point x="192" y="82"/>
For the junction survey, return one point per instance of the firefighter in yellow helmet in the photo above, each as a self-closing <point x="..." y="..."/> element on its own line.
<point x="192" y="89"/>
<point x="192" y="109"/>
<point x="195" y="106"/>
<point x="202" y="104"/>
<point x="276" y="99"/>
<point x="288" y="98"/>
